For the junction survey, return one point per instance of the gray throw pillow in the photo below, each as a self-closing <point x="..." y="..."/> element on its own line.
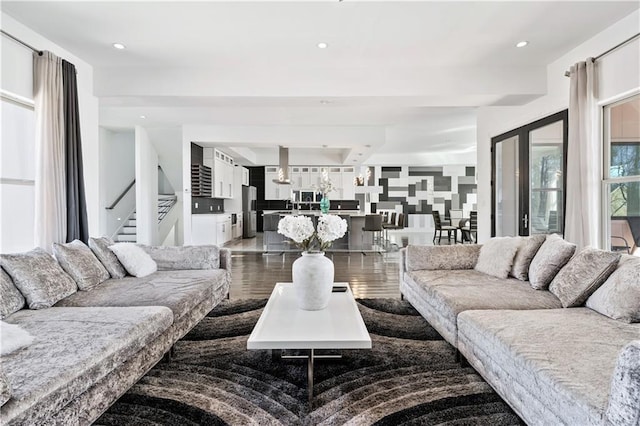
<point x="619" y="296"/>
<point x="553" y="254"/>
<point x="624" y="399"/>
<point x="584" y="273"/>
<point x="100" y="247"/>
<point x="5" y="388"/>
<point x="526" y="251"/>
<point x="170" y="258"/>
<point x="38" y="277"/>
<point x="11" y="300"/>
<point x="81" y="264"/>
<point x="496" y="256"/>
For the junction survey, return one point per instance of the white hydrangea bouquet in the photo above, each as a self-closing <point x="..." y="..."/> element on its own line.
<point x="301" y="231"/>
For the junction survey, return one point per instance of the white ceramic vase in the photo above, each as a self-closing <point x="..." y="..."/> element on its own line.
<point x="312" y="280"/>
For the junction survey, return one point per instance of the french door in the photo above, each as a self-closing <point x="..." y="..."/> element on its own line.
<point x="528" y="178"/>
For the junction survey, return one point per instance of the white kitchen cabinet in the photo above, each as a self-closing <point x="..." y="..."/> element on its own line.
<point x="204" y="229"/>
<point x="272" y="190"/>
<point x="348" y="187"/>
<point x="245" y="176"/>
<point x="222" y="166"/>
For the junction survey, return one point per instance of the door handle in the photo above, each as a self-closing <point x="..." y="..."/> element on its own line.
<point x="525" y="220"/>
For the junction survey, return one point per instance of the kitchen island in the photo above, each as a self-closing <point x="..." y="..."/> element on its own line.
<point x="354" y="240"/>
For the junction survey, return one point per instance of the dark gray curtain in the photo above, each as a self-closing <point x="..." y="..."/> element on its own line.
<point x="77" y="225"/>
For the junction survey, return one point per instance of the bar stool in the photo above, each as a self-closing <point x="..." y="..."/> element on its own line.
<point x="372" y="223"/>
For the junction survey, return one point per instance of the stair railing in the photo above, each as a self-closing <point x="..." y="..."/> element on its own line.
<point x="164" y="206"/>
<point x="121" y="196"/>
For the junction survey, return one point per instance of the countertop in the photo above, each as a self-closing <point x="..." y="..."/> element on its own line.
<point x="315" y="212"/>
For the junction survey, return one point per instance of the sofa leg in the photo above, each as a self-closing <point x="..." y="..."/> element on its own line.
<point x="401" y="296"/>
<point x="458" y="355"/>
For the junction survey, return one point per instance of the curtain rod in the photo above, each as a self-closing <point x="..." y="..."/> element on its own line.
<point x="27" y="45"/>
<point x="617" y="46"/>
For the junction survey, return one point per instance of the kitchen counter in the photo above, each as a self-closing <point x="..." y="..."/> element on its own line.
<point x="354" y="240"/>
<point x="314" y="212"/>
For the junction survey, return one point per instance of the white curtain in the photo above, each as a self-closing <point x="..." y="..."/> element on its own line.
<point x="51" y="202"/>
<point x="582" y="223"/>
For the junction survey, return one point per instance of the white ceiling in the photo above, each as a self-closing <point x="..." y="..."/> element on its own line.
<point x="415" y="71"/>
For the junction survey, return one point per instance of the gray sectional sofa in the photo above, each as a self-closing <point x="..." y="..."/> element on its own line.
<point x="91" y="346"/>
<point x="553" y="364"/>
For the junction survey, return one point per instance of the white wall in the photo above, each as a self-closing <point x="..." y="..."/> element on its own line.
<point x="17" y="75"/>
<point x="117" y="171"/>
<point x="619" y="72"/>
<point x="146" y="189"/>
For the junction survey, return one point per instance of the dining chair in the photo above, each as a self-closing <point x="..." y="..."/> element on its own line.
<point x="439" y="227"/>
<point x="470" y="232"/>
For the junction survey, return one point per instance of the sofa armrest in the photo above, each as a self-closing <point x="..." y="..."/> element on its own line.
<point x="169" y="258"/>
<point x="433" y="258"/>
<point x="624" y="398"/>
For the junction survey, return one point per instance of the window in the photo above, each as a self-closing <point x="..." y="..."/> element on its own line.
<point x="622" y="175"/>
<point x="17" y="174"/>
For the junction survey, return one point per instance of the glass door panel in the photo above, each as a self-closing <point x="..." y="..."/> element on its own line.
<point x="528" y="179"/>
<point x="546" y="179"/>
<point x="507" y="194"/>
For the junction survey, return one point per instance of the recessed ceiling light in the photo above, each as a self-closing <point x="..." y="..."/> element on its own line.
<point x="119" y="46"/>
<point x="367" y="146"/>
<point x="324" y="102"/>
<point x="143" y="116"/>
<point x="322" y="45"/>
<point x="522" y="43"/>
<point x="325" y="146"/>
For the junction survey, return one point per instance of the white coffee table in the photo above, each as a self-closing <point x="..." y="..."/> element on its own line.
<point x="283" y="325"/>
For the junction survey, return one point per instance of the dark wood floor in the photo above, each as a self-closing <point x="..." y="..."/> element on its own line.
<point x="254" y="274"/>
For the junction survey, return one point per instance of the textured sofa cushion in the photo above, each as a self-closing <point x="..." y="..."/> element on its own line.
<point x="619" y="296"/>
<point x="550" y="258"/>
<point x="496" y="256"/>
<point x="11" y="300"/>
<point x="100" y="247"/>
<point x="180" y="291"/>
<point x="80" y="263"/>
<point x="584" y="273"/>
<point x="13" y="338"/>
<point x="184" y="257"/>
<point x="441" y="257"/>
<point x="527" y="249"/>
<point x="564" y="358"/>
<point x="5" y="388"/>
<point x="74" y="348"/>
<point x="447" y="293"/>
<point x="624" y="401"/>
<point x="38" y="277"/>
<point x="134" y="259"/>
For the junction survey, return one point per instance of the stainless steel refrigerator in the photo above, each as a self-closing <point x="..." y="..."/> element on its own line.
<point x="249" y="213"/>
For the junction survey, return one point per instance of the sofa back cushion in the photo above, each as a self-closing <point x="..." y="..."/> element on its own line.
<point x="624" y="399"/>
<point x="528" y="248"/>
<point x="550" y="258"/>
<point x="184" y="257"/>
<point x="38" y="277"/>
<point x="582" y="275"/>
<point x="100" y="247"/>
<point x="11" y="300"/>
<point x="496" y="256"/>
<point x="81" y="264"/>
<point x="431" y="258"/>
<point x="619" y="296"/>
<point x="135" y="260"/>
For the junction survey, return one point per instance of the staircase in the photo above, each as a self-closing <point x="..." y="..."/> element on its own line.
<point x="128" y="231"/>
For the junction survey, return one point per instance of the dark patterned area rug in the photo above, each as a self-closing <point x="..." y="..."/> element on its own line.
<point x="409" y="377"/>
